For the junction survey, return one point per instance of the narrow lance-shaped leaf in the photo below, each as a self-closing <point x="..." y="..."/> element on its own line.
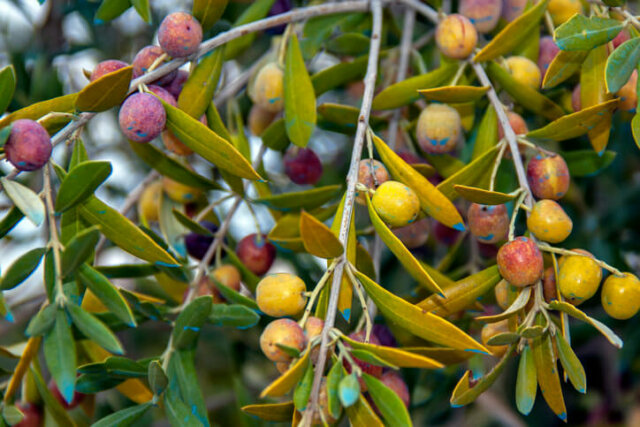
<point x="547" y="374"/>
<point x="177" y="412"/>
<point x="396" y="356"/>
<point x="432" y="201"/>
<point x="481" y="196"/>
<point x="297" y="200"/>
<point x="621" y="64"/>
<point x="111" y="9"/>
<point x="60" y="354"/>
<point x="388" y="402"/>
<point x="571" y="364"/>
<point x="584" y="33"/>
<point x="299" y="97"/>
<point x="94" y="329"/>
<point x="124" y="417"/>
<point x="593" y="91"/>
<point x="25" y="199"/>
<point x="78" y="250"/>
<point x="513" y="34"/>
<point x="417" y="321"/>
<point x="143" y="8"/>
<point x="256" y="11"/>
<point x="81" y="182"/>
<point x="182" y="372"/>
<point x="317" y="238"/>
<point x="235" y="315"/>
<point x="454" y="94"/>
<point x="105" y="92"/>
<point x="7" y="86"/>
<point x="53" y="405"/>
<point x="61" y="104"/>
<point x="487" y="136"/>
<point x="395" y="245"/>
<point x="578" y="314"/>
<point x="198" y="90"/>
<point x="334" y="377"/>
<point x="287" y="381"/>
<point x="42" y="321"/>
<point x="527" y="382"/>
<point x="187" y="326"/>
<point x="303" y="389"/>
<point x="518" y="304"/>
<point x="207" y="12"/>
<point x="587" y="162"/>
<point x="476" y="173"/>
<point x="281" y="412"/>
<point x="563" y="66"/>
<point x="21" y="269"/>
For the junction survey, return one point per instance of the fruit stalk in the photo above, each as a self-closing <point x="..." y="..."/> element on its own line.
<point x="352" y="178"/>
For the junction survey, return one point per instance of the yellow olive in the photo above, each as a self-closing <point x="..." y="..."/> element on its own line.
<point x="397" y="204"/>
<point x="579" y="278"/>
<point x="549" y="222"/>
<point x="281" y="294"/>
<point x="284" y="332"/>
<point x="621" y="296"/>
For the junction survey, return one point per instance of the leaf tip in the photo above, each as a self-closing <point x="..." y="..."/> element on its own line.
<point x="459" y="226"/>
<point x="563" y="416"/>
<point x="346" y="314"/>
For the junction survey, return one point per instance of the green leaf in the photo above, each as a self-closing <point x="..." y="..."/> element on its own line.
<point x="91" y="384"/>
<point x="187" y="326"/>
<point x="53" y="405"/>
<point x="124" y="417"/>
<point x="157" y="378"/>
<point x="172" y="168"/>
<point x="10" y="220"/>
<point x="621" y="63"/>
<point x="172" y="230"/>
<point x="526" y="96"/>
<point x="233" y="296"/>
<point x="281" y="412"/>
<point x="483" y="197"/>
<point x="417" y="321"/>
<point x="42" y="322"/>
<point x="593" y="91"/>
<point x="106" y="293"/>
<point x="585" y="33"/>
<point x="388" y="402"/>
<point x="60" y="354"/>
<point x="505" y="338"/>
<point x="513" y="34"/>
<point x="476" y="173"/>
<point x="547" y="374"/>
<point x="406" y="91"/>
<point x="318" y="239"/>
<point x="563" y="66"/>
<point x="125" y="368"/>
<point x="191" y="224"/>
<point x="249" y="279"/>
<point x="350" y="44"/>
<point x="462" y="294"/>
<point x="275" y="136"/>
<point x="601" y="327"/>
<point x="349" y="390"/>
<point x="106" y="92"/>
<point x="344" y="118"/>
<point x="79" y="249"/>
<point x="635" y="131"/>
<point x="61" y="104"/>
<point x="587" y="162"/>
<point x="454" y="94"/>
<point x="362" y="414"/>
<point x="576" y="124"/>
<point x="81" y="182"/>
<point x="5" y="132"/>
<point x="296" y="200"/>
<point x="177" y="412"/>
<point x="111" y="9"/>
<point x="518" y="304"/>
<point x="143" y="9"/>
<point x="571" y="364"/>
<point x="527" y="382"/>
<point x="299" y="97"/>
<point x="124" y="233"/>
<point x="207" y="12"/>
<point x="94" y="329"/>
<point x="182" y="372"/>
<point x="371" y="358"/>
<point x="465" y="393"/>
<point x="7" y="86"/>
<point x="339" y="74"/>
<point x="395" y="245"/>
<point x="11" y="414"/>
<point x="256" y="11"/>
<point x="432" y="201"/>
<point x="287" y="381"/>
<point x="25" y="199"/>
<point x="236" y="315"/>
<point x="208" y="144"/>
<point x="335" y="375"/>
<point x="197" y="92"/>
<point x="303" y="389"/>
<point x="21" y="269"/>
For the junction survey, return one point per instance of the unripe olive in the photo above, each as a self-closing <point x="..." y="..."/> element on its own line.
<point x="367" y="368"/>
<point x="415" y="234"/>
<point x="268" y="88"/>
<point x="456" y="36"/>
<point x="579" y="278"/>
<point x="397" y="204"/>
<point x="549" y="222"/>
<point x="483" y="14"/>
<point x="576" y="100"/>
<point x="145" y="58"/>
<point x="106" y="67"/>
<point x="502" y="294"/>
<point x="548" y="176"/>
<point x="548" y="51"/>
<point x="260" y="119"/>
<point x="520" y="262"/>
<point x="178" y="192"/>
<point x="516" y="122"/>
<point x="284" y="332"/>
<point x="438" y="129"/>
<point x="489" y="224"/>
<point x="524" y="71"/>
<point x="142" y="117"/>
<point x="562" y="10"/>
<point x="492" y="329"/>
<point x="149" y="202"/>
<point x="371" y="173"/>
<point x="227" y="275"/>
<point x="28" y="147"/>
<point x="281" y="294"/>
<point x="313" y="328"/>
<point x="395" y="382"/>
<point x="256" y="253"/>
<point x="621" y="296"/>
<point x="549" y="288"/>
<point x="511" y="9"/>
<point x="179" y="34"/>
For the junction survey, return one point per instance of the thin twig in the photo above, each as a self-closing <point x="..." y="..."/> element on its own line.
<point x="352" y="178"/>
<point x="54" y="241"/>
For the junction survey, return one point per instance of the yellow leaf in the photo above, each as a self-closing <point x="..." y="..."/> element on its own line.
<point x="432" y="201"/>
<point x="446" y="356"/>
<point x="418" y="321"/>
<point x="513" y="34"/>
<point x="564" y="65"/>
<point x="454" y="94"/>
<point x="106" y="92"/>
<point x="61" y="104"/>
<point x="29" y="352"/>
<point x="174" y="288"/>
<point x="395" y="245"/>
<point x="547" y="373"/>
<point x="361" y="414"/>
<point x="345" y="298"/>
<point x="281" y="412"/>
<point x="478" y="173"/>
<point x="484" y="197"/>
<point x="318" y="239"/>
<point x="396" y="356"/>
<point x="285" y="382"/>
<point x="593" y="91"/>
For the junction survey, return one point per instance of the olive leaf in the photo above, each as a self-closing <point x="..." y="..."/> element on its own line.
<point x="584" y="33"/>
<point x="7" y="86"/>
